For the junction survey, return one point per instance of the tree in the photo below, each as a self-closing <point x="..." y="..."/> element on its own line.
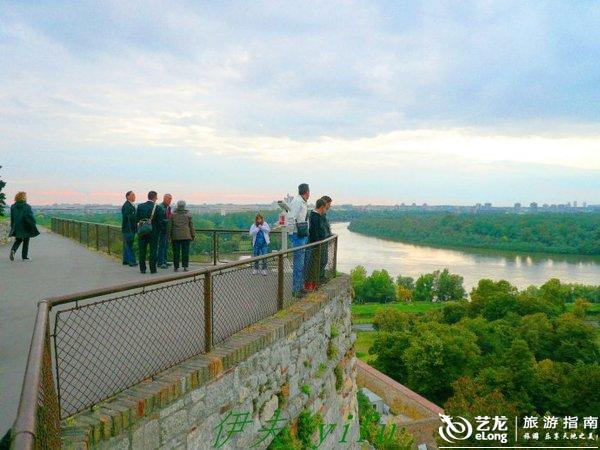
<point x="448" y="286"/>
<point x="406" y="282"/>
<point x="358" y="276"/>
<point x="379" y="287"/>
<point x="538" y="332"/>
<point x="576" y="340"/>
<point x="403" y="294"/>
<point x="424" y="288"/>
<point x="2" y="196"/>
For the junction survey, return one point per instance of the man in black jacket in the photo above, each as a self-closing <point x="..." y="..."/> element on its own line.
<point x="128" y="227"/>
<point x="149" y="210"/>
<point x="316" y="232"/>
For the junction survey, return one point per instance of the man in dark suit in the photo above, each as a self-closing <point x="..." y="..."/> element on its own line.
<point x="149" y="210"/>
<point x="128" y="227"/>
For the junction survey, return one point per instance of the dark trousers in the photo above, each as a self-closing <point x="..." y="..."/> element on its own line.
<point x="25" y="248"/>
<point x="145" y="242"/>
<point x="128" y="253"/>
<point x="181" y="249"/>
<point x="163" y="244"/>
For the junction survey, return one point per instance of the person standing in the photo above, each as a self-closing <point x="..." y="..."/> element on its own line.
<point x="163" y="243"/>
<point x="22" y="225"/>
<point x="328" y="201"/>
<point x="128" y="228"/>
<point x="317" y="232"/>
<point x="260" y="242"/>
<point x="299" y="237"/>
<point x="151" y="213"/>
<point x="182" y="233"/>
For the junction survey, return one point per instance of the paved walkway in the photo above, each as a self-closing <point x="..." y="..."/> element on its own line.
<point x="58" y="266"/>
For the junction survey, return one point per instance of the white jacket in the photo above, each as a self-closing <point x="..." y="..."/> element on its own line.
<point x="265" y="229"/>
<point x="298" y="210"/>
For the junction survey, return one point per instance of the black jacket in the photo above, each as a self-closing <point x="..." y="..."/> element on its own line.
<point x="159" y="220"/>
<point x="128" y="222"/>
<point x="316" y="228"/>
<point x="22" y="221"/>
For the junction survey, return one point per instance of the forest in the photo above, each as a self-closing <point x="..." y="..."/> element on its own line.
<point x="576" y="233"/>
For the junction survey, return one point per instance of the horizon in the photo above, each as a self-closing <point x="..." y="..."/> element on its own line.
<point x="371" y="103"/>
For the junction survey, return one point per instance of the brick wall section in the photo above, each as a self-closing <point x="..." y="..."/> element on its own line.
<point x="423" y="415"/>
<point x="288" y="361"/>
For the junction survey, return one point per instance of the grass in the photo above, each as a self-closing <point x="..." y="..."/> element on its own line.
<point x="364" y="340"/>
<point x="364" y="313"/>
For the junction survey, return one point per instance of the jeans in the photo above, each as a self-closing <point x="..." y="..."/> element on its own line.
<point x="24" y="249"/>
<point x="163" y="244"/>
<point x="145" y="242"/>
<point x="181" y="249"/>
<point x="298" y="272"/>
<point x="258" y="250"/>
<point x="128" y="253"/>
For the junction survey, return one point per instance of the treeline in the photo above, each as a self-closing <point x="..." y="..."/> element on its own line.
<point x="577" y="233"/>
<point x="505" y="352"/>
<point x="443" y="286"/>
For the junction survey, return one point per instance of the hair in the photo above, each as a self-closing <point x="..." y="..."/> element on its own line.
<point x="181" y="204"/>
<point x="302" y="189"/>
<point x="259" y="216"/>
<point x="20" y="197"/>
<point x="127" y="193"/>
<point x="320" y="203"/>
<point x="168" y="195"/>
<point x="326" y="198"/>
<point x="152" y="195"/>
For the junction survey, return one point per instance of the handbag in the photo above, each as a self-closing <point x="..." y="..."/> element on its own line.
<point x="302" y="229"/>
<point x="145" y="225"/>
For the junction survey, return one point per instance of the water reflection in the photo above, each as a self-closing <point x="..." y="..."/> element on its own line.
<point x="520" y="269"/>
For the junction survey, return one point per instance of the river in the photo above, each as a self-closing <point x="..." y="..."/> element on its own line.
<point x="520" y="269"/>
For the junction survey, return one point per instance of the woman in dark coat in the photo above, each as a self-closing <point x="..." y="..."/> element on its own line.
<point x="22" y="225"/>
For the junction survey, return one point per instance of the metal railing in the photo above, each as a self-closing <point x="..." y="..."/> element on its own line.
<point x="210" y="246"/>
<point x="89" y="346"/>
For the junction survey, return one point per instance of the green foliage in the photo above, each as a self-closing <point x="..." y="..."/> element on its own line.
<point x="378" y="287"/>
<point x="321" y="370"/>
<point x="305" y="389"/>
<point x="577" y="233"/>
<point x="382" y="438"/>
<point x="334" y="331"/>
<point x="338" y="371"/>
<point x="405" y="282"/>
<point x="308" y="424"/>
<point x="332" y="350"/>
<point x="285" y="441"/>
<point x="505" y="351"/>
<point x="439" y="287"/>
<point x="2" y="196"/>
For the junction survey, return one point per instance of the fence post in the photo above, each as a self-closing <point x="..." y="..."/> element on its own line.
<point x="208" y="312"/>
<point x="97" y="237"/>
<point x="318" y="264"/>
<point x="280" y="282"/>
<point x="108" y="238"/>
<point x="214" y="248"/>
<point x="335" y="246"/>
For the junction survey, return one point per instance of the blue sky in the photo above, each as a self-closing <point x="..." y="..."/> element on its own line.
<point x="382" y="102"/>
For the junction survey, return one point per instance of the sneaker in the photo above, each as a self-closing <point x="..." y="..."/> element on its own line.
<point x="12" y="255"/>
<point x="264" y="272"/>
<point x="254" y="271"/>
<point x="175" y="269"/>
<point x="185" y="269"/>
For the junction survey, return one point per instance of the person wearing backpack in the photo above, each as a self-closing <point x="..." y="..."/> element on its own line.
<point x="152" y="222"/>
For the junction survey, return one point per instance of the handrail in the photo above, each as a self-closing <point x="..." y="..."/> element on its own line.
<point x="37" y="385"/>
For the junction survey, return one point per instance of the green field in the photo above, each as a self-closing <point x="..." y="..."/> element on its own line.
<point x="364" y="313"/>
<point x="364" y="341"/>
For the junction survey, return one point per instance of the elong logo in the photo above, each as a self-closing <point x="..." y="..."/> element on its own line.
<point x="457" y="429"/>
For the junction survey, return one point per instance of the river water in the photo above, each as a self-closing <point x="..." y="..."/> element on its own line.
<point x="521" y="269"/>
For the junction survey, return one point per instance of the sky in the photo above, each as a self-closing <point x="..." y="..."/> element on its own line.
<point x="383" y="102"/>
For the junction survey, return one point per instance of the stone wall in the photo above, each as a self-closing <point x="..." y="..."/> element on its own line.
<point x="300" y="360"/>
<point x="4" y="229"/>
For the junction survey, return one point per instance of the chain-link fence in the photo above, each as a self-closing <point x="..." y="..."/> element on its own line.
<point x="108" y="340"/>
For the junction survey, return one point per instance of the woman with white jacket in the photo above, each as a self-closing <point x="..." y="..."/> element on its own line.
<point x="260" y="242"/>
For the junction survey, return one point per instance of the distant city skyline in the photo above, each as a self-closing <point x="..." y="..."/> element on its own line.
<point x="376" y="102"/>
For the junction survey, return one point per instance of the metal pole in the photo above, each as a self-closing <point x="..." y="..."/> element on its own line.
<point x="335" y="246"/>
<point x="279" y="282"/>
<point x="318" y="265"/>
<point x="208" y="311"/>
<point x="214" y="248"/>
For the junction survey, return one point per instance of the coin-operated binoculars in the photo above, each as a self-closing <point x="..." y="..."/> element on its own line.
<point x="284" y="224"/>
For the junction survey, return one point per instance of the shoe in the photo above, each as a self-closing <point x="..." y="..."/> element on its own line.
<point x="254" y="271"/>
<point x="124" y="263"/>
<point x="175" y="269"/>
<point x="164" y="266"/>
<point x="142" y="271"/>
<point x="264" y="272"/>
<point x="153" y="271"/>
<point x="25" y="259"/>
<point x="185" y="269"/>
<point x="12" y="255"/>
<point x="133" y="265"/>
